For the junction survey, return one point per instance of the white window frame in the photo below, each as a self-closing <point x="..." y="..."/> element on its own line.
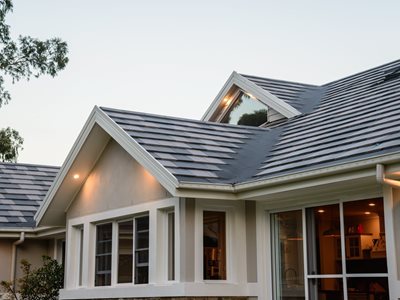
<point x="115" y="216"/>
<point x="236" y="270"/>
<point x="343" y="276"/>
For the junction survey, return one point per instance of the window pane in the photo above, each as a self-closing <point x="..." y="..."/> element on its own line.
<point x="246" y="111"/>
<point x="103" y="254"/>
<point x="141" y="250"/>
<point x="287" y="241"/>
<point x="367" y="288"/>
<point x="323" y="240"/>
<point x="80" y="255"/>
<point x="365" y="236"/>
<point x="171" y="246"/>
<point x="326" y="288"/>
<point x="214" y="249"/>
<point x="125" y="251"/>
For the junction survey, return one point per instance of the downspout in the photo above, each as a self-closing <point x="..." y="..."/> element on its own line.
<point x="380" y="177"/>
<point x="14" y="256"/>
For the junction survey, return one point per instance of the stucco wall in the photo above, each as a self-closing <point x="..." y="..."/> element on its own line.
<point x="30" y="250"/>
<point x="5" y="259"/>
<point x="116" y="181"/>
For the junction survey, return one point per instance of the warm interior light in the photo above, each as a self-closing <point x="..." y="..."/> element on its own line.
<point x="321" y="211"/>
<point x="76" y="176"/>
<point x="250" y="95"/>
<point x="371" y="204"/>
<point x="367" y="213"/>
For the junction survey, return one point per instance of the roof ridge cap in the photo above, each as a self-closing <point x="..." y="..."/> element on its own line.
<point x="184" y="119"/>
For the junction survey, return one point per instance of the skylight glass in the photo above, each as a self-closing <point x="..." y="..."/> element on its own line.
<point x="246" y="110"/>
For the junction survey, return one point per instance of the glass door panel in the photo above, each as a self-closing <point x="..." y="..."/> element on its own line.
<point x="365" y="236"/>
<point x="287" y="240"/>
<point x="323" y="240"/>
<point x="326" y="288"/>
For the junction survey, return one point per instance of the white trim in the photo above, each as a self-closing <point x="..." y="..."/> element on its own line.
<point x="236" y="271"/>
<point x="262" y="95"/>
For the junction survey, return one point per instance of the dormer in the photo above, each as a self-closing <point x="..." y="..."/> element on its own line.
<point x="242" y="102"/>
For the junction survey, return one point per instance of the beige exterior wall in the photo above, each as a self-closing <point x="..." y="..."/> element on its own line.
<point x="5" y="259"/>
<point x="116" y="181"/>
<point x="251" y="241"/>
<point x="30" y="250"/>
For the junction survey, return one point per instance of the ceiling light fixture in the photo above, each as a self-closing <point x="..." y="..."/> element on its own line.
<point x="321" y="211"/>
<point x="371" y="204"/>
<point x="76" y="176"/>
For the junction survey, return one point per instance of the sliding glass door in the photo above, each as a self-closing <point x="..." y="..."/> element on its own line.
<point x="333" y="251"/>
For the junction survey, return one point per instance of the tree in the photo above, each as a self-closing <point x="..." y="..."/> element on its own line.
<point x="43" y="283"/>
<point x="10" y="144"/>
<point x="22" y="59"/>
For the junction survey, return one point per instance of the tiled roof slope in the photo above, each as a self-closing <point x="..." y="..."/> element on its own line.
<point x="358" y="117"/>
<point x="303" y="97"/>
<point x="195" y="151"/>
<point x="22" y="189"/>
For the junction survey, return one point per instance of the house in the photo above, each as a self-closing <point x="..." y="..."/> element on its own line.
<point x="282" y="191"/>
<point x="22" y="189"/>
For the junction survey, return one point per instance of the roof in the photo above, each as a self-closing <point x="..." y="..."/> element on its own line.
<point x="22" y="189"/>
<point x="357" y="118"/>
<point x="347" y="120"/>
<point x="193" y="150"/>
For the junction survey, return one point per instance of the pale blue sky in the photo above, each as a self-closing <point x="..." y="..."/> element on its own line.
<point x="172" y="57"/>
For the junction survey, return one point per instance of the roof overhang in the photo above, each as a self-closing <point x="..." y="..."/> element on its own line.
<point x="85" y="152"/>
<point x="363" y="171"/>
<point x="237" y="81"/>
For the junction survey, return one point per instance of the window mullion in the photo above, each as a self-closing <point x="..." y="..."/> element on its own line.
<point x="114" y="255"/>
<point x="305" y="257"/>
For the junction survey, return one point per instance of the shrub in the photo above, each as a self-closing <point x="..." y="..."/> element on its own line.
<point x="42" y="283"/>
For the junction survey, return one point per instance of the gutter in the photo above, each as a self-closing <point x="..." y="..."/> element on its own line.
<point x="381" y="177"/>
<point x="14" y="256"/>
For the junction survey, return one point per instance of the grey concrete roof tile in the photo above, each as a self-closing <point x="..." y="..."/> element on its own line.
<point x="22" y="189"/>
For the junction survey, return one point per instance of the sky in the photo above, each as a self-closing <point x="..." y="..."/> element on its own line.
<point x="172" y="57"/>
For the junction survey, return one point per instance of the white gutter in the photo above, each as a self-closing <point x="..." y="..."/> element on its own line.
<point x="14" y="256"/>
<point x="381" y="177"/>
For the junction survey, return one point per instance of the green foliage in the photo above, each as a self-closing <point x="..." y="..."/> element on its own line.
<point x="10" y="144"/>
<point x="43" y="283"/>
<point x="22" y="59"/>
<point x="27" y="56"/>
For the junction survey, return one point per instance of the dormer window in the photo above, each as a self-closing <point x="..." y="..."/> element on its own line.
<point x="244" y="110"/>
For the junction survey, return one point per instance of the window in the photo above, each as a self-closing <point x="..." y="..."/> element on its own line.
<point x="125" y="251"/>
<point x="245" y="110"/>
<point x="142" y="250"/>
<point x="80" y="254"/>
<point x="214" y="245"/>
<point x="171" y="245"/>
<point x="103" y="254"/>
<point x="288" y="255"/>
<point x="346" y="252"/>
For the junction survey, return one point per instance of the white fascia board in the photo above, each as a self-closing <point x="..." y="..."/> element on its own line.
<point x="97" y="116"/>
<point x="165" y="177"/>
<point x="222" y="93"/>
<point x="31" y="232"/>
<point x="66" y="165"/>
<point x="250" y="87"/>
<point x="270" y="185"/>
